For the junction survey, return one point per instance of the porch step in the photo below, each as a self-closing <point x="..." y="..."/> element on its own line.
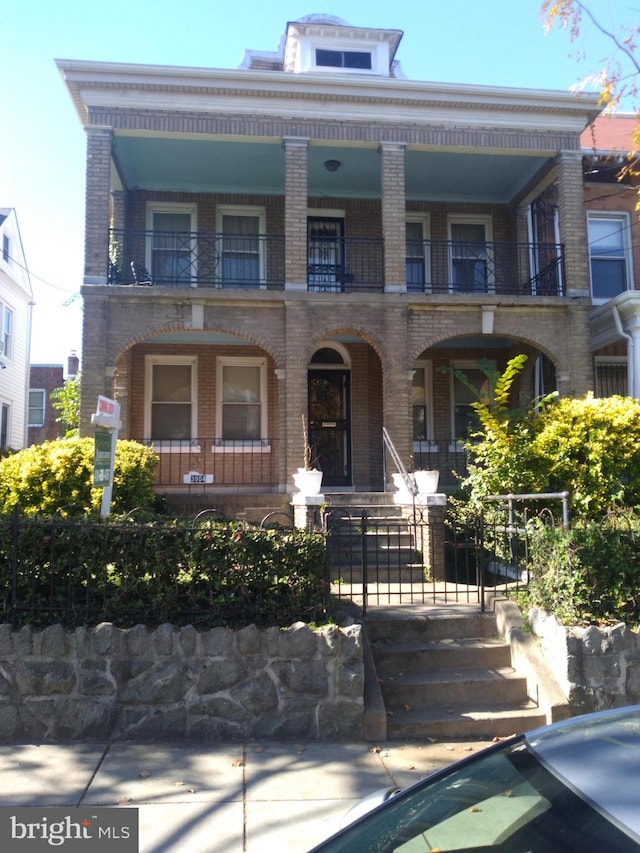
<point x="449" y="677"/>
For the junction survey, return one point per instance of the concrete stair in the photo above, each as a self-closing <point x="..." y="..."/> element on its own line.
<point x="387" y="544"/>
<point x="449" y="677"/>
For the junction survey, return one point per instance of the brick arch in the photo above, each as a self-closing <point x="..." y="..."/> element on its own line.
<point x="325" y="335"/>
<point x="554" y="357"/>
<point x="148" y="335"/>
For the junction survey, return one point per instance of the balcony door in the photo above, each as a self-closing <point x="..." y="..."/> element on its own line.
<point x="470" y="255"/>
<point x="171" y="253"/>
<point x="325" y="253"/>
<point x="329" y="390"/>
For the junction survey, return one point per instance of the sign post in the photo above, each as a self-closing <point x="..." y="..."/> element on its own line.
<point x="107" y="416"/>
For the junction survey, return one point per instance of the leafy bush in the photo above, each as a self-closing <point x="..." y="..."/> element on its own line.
<point x="57" y="476"/>
<point x="589" y="447"/>
<point x="589" y="574"/>
<point x="80" y="572"/>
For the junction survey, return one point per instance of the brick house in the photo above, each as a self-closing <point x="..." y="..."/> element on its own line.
<point x="314" y="236"/>
<point x="613" y="227"/>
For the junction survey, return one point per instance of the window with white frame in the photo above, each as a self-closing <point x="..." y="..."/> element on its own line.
<point x="470" y="254"/>
<point x="37" y="399"/>
<point x="4" y="425"/>
<point x="6" y="317"/>
<point x="171" y="253"/>
<point x="5" y="248"/>
<point x="241" y="246"/>
<point x="170" y="387"/>
<point x="418" y="256"/>
<point x="422" y="406"/>
<point x="611" y="376"/>
<point x="467" y="383"/>
<point x="609" y="253"/>
<point x="242" y="410"/>
<point x="353" y="56"/>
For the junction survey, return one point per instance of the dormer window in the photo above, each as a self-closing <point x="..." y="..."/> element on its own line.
<point x="343" y="59"/>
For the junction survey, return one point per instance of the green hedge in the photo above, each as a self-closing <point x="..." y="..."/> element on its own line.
<point x="211" y="574"/>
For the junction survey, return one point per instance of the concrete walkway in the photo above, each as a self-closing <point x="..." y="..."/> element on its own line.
<point x="219" y="798"/>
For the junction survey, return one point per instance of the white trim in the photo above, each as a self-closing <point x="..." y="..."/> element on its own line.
<point x="426" y="365"/>
<point x="173" y="444"/>
<point x="248" y="445"/>
<point x="248" y="211"/>
<point x="472" y="219"/>
<point x="425" y="220"/>
<point x="625" y="231"/>
<point x="325" y="213"/>
<point x="338" y="347"/>
<point x="154" y="207"/>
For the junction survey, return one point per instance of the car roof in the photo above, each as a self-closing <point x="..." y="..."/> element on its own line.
<point x="598" y="756"/>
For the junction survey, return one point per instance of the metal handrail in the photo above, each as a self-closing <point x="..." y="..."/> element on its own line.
<point x="408" y="479"/>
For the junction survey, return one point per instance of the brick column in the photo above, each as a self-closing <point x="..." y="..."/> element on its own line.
<point x="295" y="212"/>
<point x="94" y="378"/>
<point x="573" y="224"/>
<point x="97" y="204"/>
<point x="393" y="215"/>
<point x="295" y="386"/>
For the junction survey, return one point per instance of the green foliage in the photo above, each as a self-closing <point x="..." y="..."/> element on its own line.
<point x="589" y="574"/>
<point x="57" y="476"/>
<point x="67" y="401"/>
<point x="80" y="572"/>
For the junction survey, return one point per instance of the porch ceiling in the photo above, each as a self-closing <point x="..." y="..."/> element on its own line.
<point x="231" y="166"/>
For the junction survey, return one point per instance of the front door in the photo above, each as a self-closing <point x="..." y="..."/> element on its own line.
<point x="330" y="426"/>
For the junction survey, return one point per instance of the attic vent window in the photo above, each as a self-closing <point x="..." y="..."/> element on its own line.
<point x="343" y="59"/>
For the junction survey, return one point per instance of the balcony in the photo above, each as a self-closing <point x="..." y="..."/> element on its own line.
<point x="344" y="265"/>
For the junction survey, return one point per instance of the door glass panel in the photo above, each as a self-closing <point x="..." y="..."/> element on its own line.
<point x="325" y="254"/>
<point x="171" y="249"/>
<point x="329" y="429"/>
<point x="240" y="249"/>
<point x="468" y="257"/>
<point x="415" y="257"/>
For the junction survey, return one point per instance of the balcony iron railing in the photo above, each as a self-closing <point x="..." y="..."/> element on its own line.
<point x="335" y="265"/>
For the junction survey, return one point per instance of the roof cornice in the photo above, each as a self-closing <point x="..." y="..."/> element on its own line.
<point x="133" y="83"/>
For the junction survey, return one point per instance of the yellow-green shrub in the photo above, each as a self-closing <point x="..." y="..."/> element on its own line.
<point x="57" y="476"/>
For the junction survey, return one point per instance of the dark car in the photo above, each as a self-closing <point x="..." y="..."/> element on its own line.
<point x="571" y="786"/>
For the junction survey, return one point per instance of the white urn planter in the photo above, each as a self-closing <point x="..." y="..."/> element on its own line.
<point x="427" y="481"/>
<point x="308" y="481"/>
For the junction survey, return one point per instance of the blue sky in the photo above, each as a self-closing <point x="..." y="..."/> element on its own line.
<point x="42" y="143"/>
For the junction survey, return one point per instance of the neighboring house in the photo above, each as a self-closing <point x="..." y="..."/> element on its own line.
<point x="312" y="235"/>
<point x="16" y="303"/>
<point x="43" y="379"/>
<point x="43" y="416"/>
<point x="613" y="227"/>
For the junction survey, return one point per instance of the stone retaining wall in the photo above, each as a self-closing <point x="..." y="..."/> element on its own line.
<point x="180" y="684"/>
<point x="597" y="668"/>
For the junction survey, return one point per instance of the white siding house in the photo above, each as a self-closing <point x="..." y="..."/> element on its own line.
<point x="16" y="301"/>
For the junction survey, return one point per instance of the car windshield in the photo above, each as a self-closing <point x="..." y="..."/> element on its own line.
<point x="505" y="801"/>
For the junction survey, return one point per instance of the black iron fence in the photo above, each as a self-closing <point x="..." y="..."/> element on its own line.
<point x="425" y="556"/>
<point x="339" y="265"/>
<point x="203" y="461"/>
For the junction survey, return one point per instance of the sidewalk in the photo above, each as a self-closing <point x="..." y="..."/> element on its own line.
<point x="220" y="798"/>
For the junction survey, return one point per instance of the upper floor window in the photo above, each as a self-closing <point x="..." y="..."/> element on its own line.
<point x="36" y="407"/>
<point x="470" y="254"/>
<point x="418" y="260"/>
<point x="343" y="58"/>
<point x="241" y="260"/>
<point x="171" y="244"/>
<point x="6" y="317"/>
<point x="5" y="248"/>
<point x="609" y="254"/>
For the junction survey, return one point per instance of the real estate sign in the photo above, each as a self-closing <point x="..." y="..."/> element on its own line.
<point x="102" y="460"/>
